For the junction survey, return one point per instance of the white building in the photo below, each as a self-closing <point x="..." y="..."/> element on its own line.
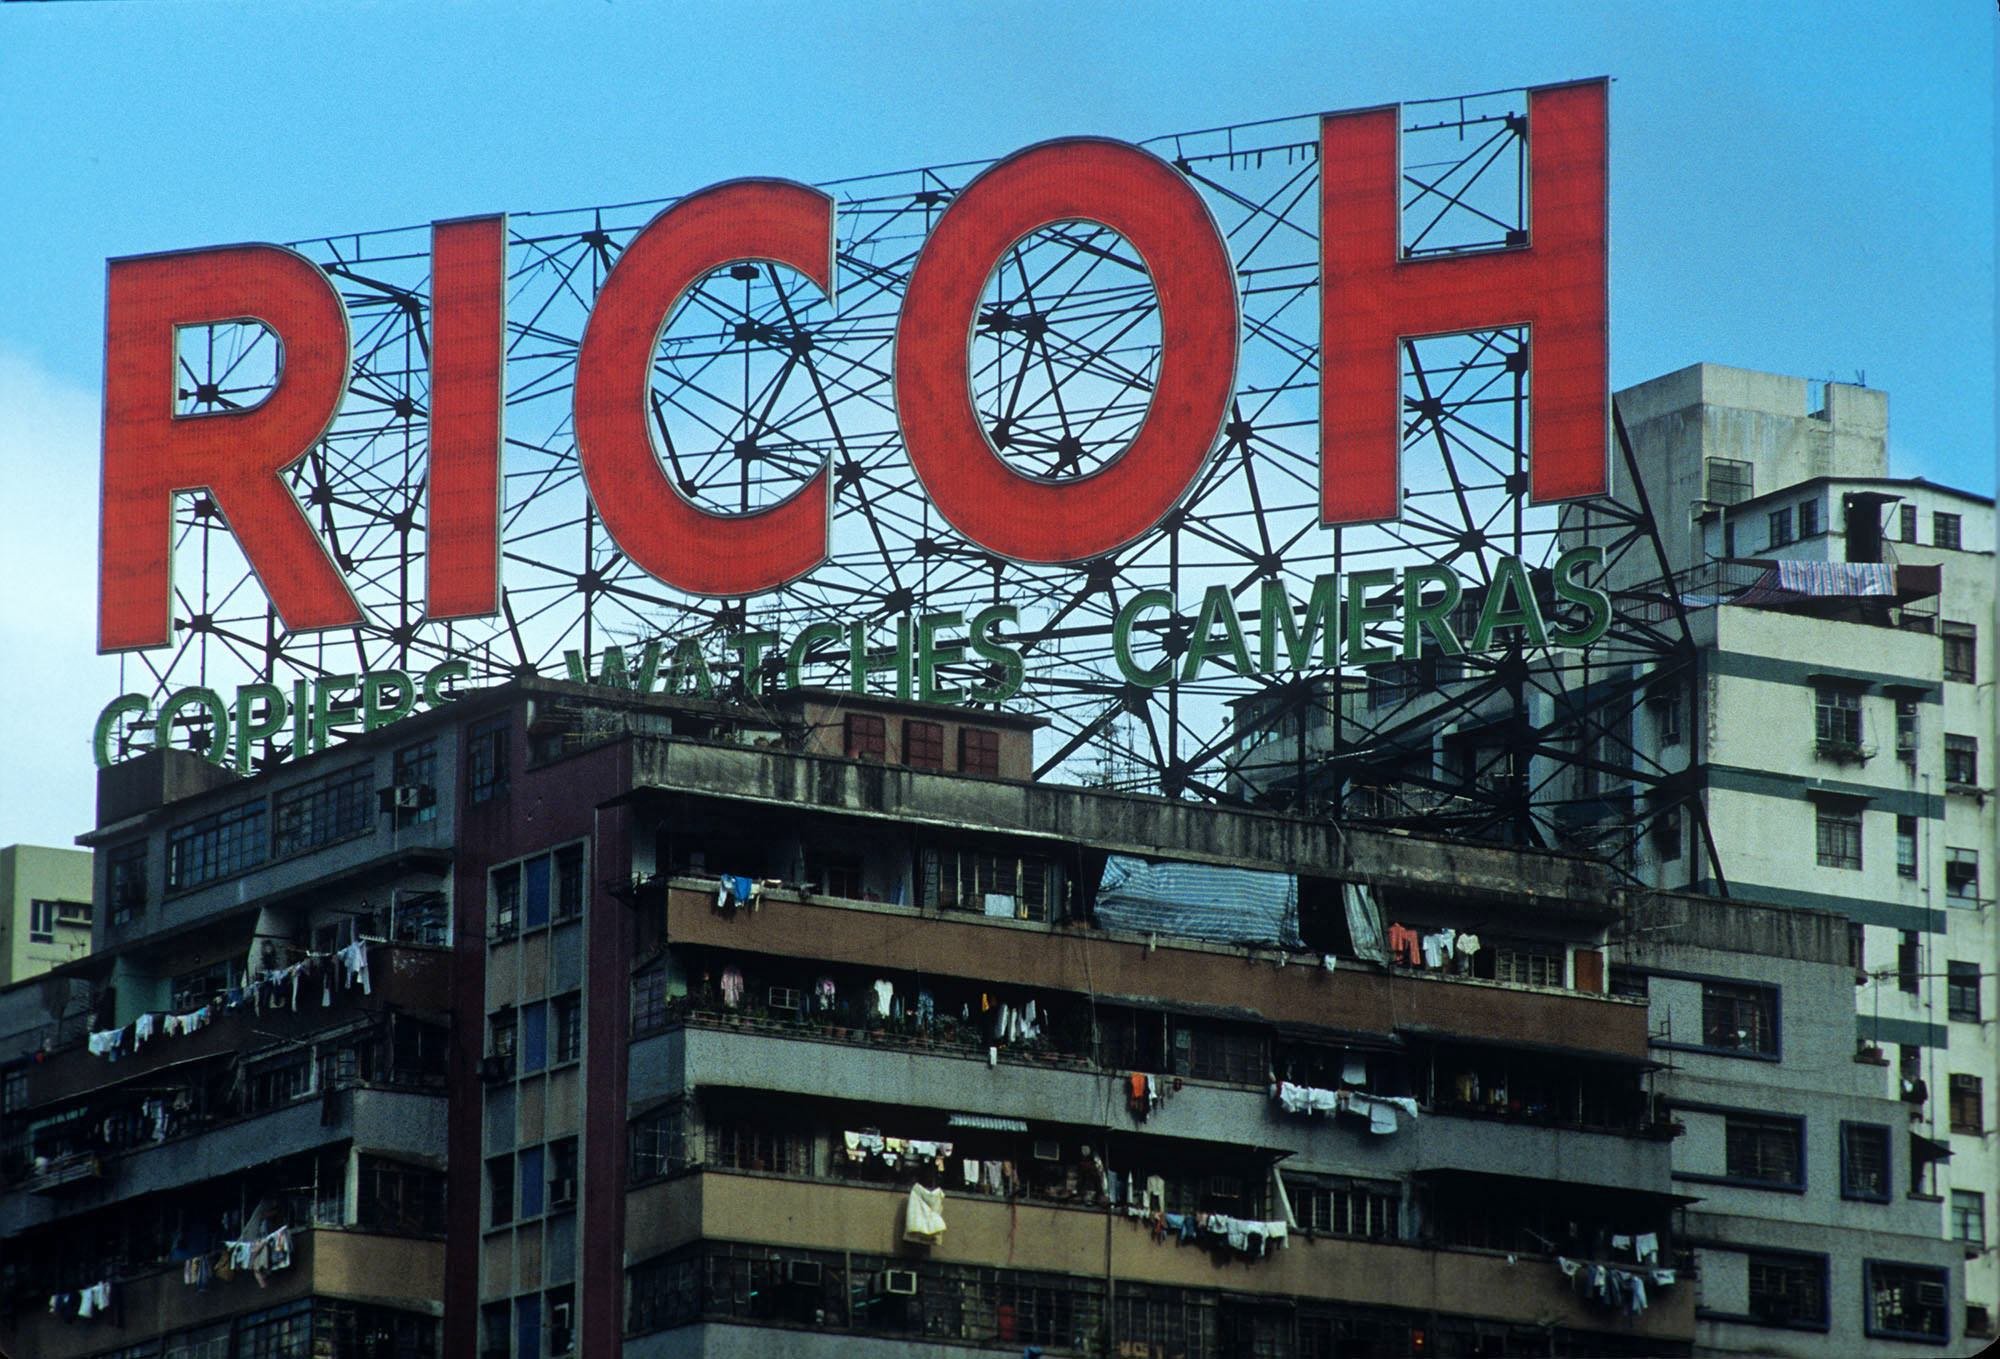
<point x="1841" y="731"/>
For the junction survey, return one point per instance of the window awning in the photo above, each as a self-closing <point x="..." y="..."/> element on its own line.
<point x="987" y="1123"/>
<point x="1928" y="1148"/>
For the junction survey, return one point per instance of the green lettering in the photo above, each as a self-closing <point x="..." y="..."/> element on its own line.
<point x="1121" y="640"/>
<point x="930" y="656"/>
<point x="1217" y="606"/>
<point x="374" y="712"/>
<point x="107" y="722"/>
<point x="326" y="714"/>
<point x="250" y="730"/>
<point x="1419" y="617"/>
<point x="862" y="663"/>
<point x="218" y="718"/>
<point x="802" y="646"/>
<point x="1596" y="603"/>
<point x="1322" y="620"/>
<point x="994" y="652"/>
<point x="688" y="665"/>
<point x="435" y="693"/>
<point x="1510" y="579"/>
<point x="1360" y="613"/>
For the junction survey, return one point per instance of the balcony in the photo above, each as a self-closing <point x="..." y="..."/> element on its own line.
<point x="402" y="977"/>
<point x="385" y="1270"/>
<point x="1357" y="999"/>
<point x="805" y="1215"/>
<point x="395" y="1121"/>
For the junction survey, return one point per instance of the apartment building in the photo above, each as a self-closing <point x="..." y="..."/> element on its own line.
<point x="561" y="1020"/>
<point x="45" y="907"/>
<point x="1841" y="733"/>
<point x="1816" y="1230"/>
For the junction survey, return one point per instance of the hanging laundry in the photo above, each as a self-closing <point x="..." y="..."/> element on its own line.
<point x="923" y="1216"/>
<point x="1405" y="945"/>
<point x="732" y="986"/>
<point x="1354" y="1069"/>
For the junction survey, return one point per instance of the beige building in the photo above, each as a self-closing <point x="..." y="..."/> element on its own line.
<point x="47" y="917"/>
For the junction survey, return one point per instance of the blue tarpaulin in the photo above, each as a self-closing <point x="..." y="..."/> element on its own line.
<point x="1199" y="901"/>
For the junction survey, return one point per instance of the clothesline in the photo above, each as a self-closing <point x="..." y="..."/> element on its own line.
<point x="1244" y="1235"/>
<point x="275" y="989"/>
<point x="1380" y="1110"/>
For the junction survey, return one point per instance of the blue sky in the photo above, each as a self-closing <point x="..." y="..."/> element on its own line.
<point x="1806" y="189"/>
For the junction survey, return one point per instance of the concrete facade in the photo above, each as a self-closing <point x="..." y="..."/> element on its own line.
<point x="1748" y="467"/>
<point x="45" y="907"/>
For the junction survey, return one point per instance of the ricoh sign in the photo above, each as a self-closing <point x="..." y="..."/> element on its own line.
<point x="1548" y="280"/>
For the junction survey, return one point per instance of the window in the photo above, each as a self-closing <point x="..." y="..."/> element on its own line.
<point x="504" y="1027"/>
<point x="1857" y="946"/>
<point x="1906" y="730"/>
<point x="500" y="1189"/>
<point x="1788" y="1290"/>
<point x="416" y="767"/>
<point x="1961" y="760"/>
<point x="280" y="1333"/>
<point x="1962" y="991"/>
<point x="649" y="999"/>
<point x="923" y="744"/>
<point x="323" y="811"/>
<point x="507" y="901"/>
<point x="1837" y="716"/>
<point x="1906" y="523"/>
<point x="216" y="847"/>
<point x="1529" y="965"/>
<point x="1961" y="651"/>
<point x="1968" y="1216"/>
<point x="1944" y="529"/>
<point x="1667" y="718"/>
<point x="562" y="1173"/>
<point x="1666" y="832"/>
<point x="400" y="1199"/>
<point x="1730" y="480"/>
<point x="569" y="882"/>
<point x="1864" y="1162"/>
<point x="657" y="1143"/>
<point x="1906" y="846"/>
<point x="569" y="1027"/>
<point x="534" y="1036"/>
<point x="486" y="760"/>
<point x="1629" y="982"/>
<point x="738" y="1145"/>
<point x="533" y="1190"/>
<point x="535" y="892"/>
<point x="41" y="922"/>
<point x="867" y="737"/>
<point x="1968" y="1114"/>
<point x="1838" y="829"/>
<point x="192" y="990"/>
<point x="1809" y="519"/>
<point x="278" y="1082"/>
<point x="1780" y="522"/>
<point x="979" y="752"/>
<point x="1765" y="1150"/>
<point x="1961" y="874"/>
<point x="562" y="1320"/>
<point x="1738" y="1017"/>
<point x="1342" y="1207"/>
<point x="1215" y="1052"/>
<point x="1909" y="961"/>
<point x="125" y="881"/>
<point x="993" y="883"/>
<point x="1908" y="1300"/>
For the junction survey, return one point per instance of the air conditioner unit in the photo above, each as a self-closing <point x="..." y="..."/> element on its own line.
<point x="562" y="1192"/>
<point x="803" y="1272"/>
<point x="901" y="1283"/>
<point x="1931" y="1294"/>
<point x="1048" y="1149"/>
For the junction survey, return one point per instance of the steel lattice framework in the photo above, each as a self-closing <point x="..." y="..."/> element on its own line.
<point x="759" y="381"/>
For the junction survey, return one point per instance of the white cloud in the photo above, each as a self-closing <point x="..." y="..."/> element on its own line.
<point x="52" y="682"/>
